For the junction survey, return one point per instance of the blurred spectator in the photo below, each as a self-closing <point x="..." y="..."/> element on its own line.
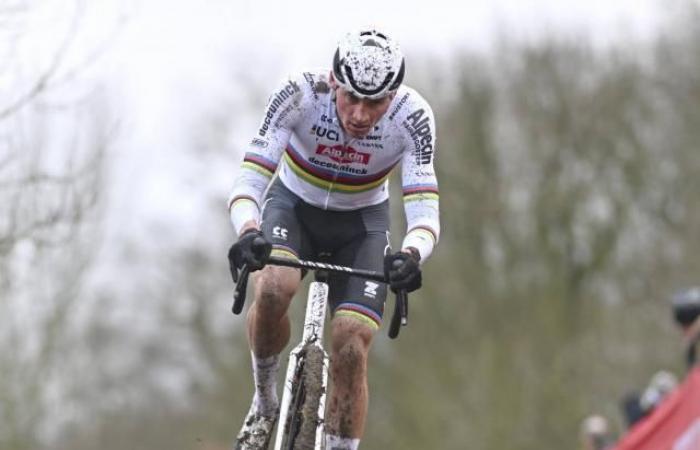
<point x="631" y="408"/>
<point x="661" y="384"/>
<point x="686" y="312"/>
<point x="595" y="433"/>
<point x="595" y="430"/>
<point x="636" y="405"/>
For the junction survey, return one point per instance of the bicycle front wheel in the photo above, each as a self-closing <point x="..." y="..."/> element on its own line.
<point x="304" y="417"/>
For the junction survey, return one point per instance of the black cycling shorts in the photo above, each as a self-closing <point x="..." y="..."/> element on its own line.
<point x="357" y="239"/>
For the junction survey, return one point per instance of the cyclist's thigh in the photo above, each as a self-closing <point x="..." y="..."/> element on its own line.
<point x="355" y="296"/>
<point x="281" y="224"/>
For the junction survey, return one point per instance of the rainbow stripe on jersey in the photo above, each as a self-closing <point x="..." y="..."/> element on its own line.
<point x="331" y="180"/>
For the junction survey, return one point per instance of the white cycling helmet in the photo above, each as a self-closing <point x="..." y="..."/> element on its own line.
<point x="369" y="64"/>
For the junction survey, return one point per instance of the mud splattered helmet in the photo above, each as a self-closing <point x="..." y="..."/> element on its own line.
<point x="369" y="64"/>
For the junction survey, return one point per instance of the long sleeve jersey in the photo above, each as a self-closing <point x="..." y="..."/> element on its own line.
<point x="301" y="139"/>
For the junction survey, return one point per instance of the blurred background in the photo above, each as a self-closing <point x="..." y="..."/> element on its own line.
<point x="568" y="162"/>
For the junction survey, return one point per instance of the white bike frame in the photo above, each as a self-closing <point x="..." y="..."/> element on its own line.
<point x="313" y="335"/>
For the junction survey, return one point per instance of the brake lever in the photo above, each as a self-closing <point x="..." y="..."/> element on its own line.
<point x="400" y="316"/>
<point x="240" y="291"/>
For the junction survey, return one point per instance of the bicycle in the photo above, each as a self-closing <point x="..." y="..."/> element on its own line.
<point x="300" y="425"/>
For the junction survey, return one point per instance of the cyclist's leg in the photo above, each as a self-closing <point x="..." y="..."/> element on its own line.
<point x="349" y="395"/>
<point x="267" y="321"/>
<point x="268" y="332"/>
<point x="357" y="306"/>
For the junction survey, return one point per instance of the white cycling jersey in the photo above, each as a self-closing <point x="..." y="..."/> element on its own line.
<point x="301" y="139"/>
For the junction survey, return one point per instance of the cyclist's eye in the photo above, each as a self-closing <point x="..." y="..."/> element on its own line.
<point x="352" y="98"/>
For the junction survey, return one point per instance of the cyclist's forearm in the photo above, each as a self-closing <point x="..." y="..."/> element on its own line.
<point x="421" y="238"/>
<point x="246" y="198"/>
<point x="249" y="225"/>
<point x="423" y="222"/>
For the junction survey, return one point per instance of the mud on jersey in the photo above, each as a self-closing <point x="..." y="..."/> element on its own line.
<point x="301" y="140"/>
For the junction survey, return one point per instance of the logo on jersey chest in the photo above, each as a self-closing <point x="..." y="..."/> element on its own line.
<point x="323" y="132"/>
<point x="343" y="155"/>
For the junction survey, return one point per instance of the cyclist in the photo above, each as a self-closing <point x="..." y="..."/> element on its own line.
<point x="332" y="137"/>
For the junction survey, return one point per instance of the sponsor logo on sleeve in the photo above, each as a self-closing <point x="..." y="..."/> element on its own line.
<point x="398" y="106"/>
<point x="258" y="143"/>
<point x="276" y="102"/>
<point x="312" y="84"/>
<point x="418" y="126"/>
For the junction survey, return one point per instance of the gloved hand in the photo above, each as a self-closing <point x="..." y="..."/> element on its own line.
<point x="403" y="271"/>
<point x="252" y="250"/>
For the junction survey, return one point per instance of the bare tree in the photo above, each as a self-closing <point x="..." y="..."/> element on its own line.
<point x="52" y="155"/>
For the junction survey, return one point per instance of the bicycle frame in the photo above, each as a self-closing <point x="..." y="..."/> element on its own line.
<point x="313" y="335"/>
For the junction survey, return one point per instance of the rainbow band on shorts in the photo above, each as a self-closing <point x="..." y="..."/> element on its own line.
<point x="360" y="312"/>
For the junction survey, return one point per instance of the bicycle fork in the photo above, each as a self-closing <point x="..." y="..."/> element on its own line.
<point x="312" y="336"/>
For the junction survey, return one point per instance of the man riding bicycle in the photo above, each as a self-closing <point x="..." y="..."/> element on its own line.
<point x="332" y="139"/>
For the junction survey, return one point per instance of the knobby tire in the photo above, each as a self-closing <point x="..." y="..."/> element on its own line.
<point x="304" y="420"/>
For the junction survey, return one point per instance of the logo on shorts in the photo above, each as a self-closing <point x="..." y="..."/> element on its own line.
<point x="371" y="289"/>
<point x="279" y="233"/>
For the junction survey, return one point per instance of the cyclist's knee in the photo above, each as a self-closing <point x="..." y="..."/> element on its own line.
<point x="275" y="287"/>
<point x="351" y="342"/>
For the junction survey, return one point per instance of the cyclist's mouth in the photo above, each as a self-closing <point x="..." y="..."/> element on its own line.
<point x="358" y="130"/>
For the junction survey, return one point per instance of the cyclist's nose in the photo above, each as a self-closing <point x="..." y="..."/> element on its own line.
<point x="360" y="114"/>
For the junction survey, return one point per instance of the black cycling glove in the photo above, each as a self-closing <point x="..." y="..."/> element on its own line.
<point x="402" y="270"/>
<point x="252" y="250"/>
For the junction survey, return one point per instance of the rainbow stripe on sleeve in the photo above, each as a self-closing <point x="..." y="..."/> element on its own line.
<point x="418" y="192"/>
<point x="259" y="164"/>
<point x="241" y="199"/>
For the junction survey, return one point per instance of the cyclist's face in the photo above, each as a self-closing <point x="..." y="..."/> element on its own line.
<point x="359" y="115"/>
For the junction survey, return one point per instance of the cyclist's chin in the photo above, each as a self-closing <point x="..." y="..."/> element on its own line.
<point x="358" y="132"/>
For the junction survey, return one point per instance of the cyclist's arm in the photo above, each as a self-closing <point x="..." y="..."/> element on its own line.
<point x="263" y="155"/>
<point x="420" y="187"/>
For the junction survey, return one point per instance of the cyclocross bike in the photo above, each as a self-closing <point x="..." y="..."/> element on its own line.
<point x="300" y="425"/>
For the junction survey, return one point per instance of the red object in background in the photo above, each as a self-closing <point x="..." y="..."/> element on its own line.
<point x="673" y="425"/>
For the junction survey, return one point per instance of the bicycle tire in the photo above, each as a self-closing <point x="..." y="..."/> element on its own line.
<point x="304" y="420"/>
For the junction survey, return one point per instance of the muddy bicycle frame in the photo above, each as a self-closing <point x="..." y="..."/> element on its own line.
<point x="312" y="338"/>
